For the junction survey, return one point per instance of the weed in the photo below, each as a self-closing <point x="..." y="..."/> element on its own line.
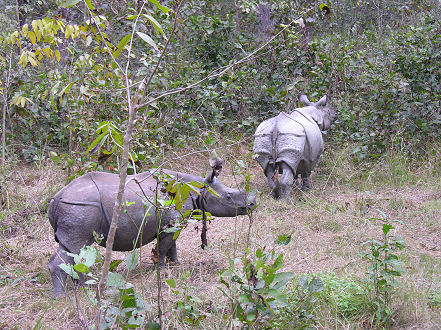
<point x="299" y="311"/>
<point x="188" y="305"/>
<point x="125" y="307"/>
<point x="435" y="299"/>
<point x="256" y="290"/>
<point x="384" y="267"/>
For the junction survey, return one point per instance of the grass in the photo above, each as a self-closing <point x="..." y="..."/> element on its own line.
<point x="328" y="223"/>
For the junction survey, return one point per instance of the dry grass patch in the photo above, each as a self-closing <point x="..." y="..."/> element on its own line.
<point x="329" y="224"/>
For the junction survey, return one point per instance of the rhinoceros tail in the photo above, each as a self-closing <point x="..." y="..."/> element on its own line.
<point x="53" y="205"/>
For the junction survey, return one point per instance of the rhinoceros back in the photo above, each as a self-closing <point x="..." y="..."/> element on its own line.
<point x="291" y="138"/>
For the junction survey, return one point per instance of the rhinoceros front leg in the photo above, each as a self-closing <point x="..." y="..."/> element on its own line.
<point x="273" y="182"/>
<point x="167" y="248"/>
<point x="286" y="181"/>
<point x="58" y="275"/>
<point x="172" y="253"/>
<point x="306" y="184"/>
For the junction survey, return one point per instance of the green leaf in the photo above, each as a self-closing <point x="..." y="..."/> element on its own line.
<point x="67" y="88"/>
<point x="155" y="23"/>
<point x="324" y="6"/>
<point x="279" y="296"/>
<point x="171" y="283"/>
<point x="96" y="141"/>
<point x="148" y="40"/>
<point x="69" y="270"/>
<point x="32" y="37"/>
<point x="132" y="260"/>
<point x="116" y="280"/>
<point x="81" y="268"/>
<point x="114" y="264"/>
<point x="282" y="278"/>
<point x="284" y="239"/>
<point x="87" y="256"/>
<point x="386" y="228"/>
<point x="68" y="3"/>
<point x="177" y="233"/>
<point x="123" y="42"/>
<point x="89" y="4"/>
<point x="57" y="55"/>
<point x="278" y="263"/>
<point x="162" y="8"/>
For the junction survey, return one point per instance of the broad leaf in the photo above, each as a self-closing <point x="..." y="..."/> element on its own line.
<point x="132" y="260"/>
<point x="155" y="23"/>
<point x="123" y="42"/>
<point x="284" y="239"/>
<point x="171" y="283"/>
<point x="69" y="270"/>
<point x="68" y="3"/>
<point x="116" y="280"/>
<point x="89" y="4"/>
<point x="162" y="8"/>
<point x="148" y="40"/>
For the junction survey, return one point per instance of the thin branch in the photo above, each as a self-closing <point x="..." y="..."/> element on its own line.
<point x="163" y="51"/>
<point x="191" y="154"/>
<point x="223" y="69"/>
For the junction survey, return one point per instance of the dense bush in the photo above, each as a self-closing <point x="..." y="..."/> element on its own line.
<point x="378" y="61"/>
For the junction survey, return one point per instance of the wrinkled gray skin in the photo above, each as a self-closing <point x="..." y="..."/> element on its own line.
<point x="86" y="205"/>
<point x="291" y="144"/>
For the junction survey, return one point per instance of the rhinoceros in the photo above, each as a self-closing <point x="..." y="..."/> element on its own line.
<point x="291" y="144"/>
<point x="86" y="204"/>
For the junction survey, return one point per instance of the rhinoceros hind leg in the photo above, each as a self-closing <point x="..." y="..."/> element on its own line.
<point x="58" y="275"/>
<point x="306" y="184"/>
<point x="286" y="181"/>
<point x="271" y="175"/>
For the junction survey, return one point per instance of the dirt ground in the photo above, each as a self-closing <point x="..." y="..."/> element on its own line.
<point x="329" y="225"/>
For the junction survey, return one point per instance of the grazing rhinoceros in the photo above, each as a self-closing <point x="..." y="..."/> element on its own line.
<point x="291" y="144"/>
<point x="86" y="204"/>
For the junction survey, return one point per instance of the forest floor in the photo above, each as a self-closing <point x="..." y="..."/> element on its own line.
<point x="329" y="225"/>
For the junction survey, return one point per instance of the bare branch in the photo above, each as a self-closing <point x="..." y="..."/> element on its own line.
<point x="221" y="70"/>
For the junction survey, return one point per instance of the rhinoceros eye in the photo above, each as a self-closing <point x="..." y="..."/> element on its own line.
<point x="229" y="197"/>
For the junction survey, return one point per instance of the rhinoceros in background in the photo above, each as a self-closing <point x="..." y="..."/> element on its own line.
<point x="291" y="144"/>
<point x="86" y="204"/>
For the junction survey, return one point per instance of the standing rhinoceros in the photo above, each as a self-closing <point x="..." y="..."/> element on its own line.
<point x="86" y="204"/>
<point x="291" y="144"/>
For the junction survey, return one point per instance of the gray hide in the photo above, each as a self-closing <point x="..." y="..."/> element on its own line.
<point x="291" y="144"/>
<point x="86" y="205"/>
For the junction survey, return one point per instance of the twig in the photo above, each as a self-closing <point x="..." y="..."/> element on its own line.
<point x="223" y="69"/>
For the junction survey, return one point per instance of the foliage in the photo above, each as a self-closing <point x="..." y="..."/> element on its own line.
<point x="124" y="307"/>
<point x="302" y="300"/>
<point x="187" y="306"/>
<point x="255" y="291"/>
<point x="384" y="268"/>
<point x="378" y="61"/>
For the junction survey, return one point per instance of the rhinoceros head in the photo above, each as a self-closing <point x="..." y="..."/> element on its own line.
<point x="229" y="202"/>
<point x="325" y="115"/>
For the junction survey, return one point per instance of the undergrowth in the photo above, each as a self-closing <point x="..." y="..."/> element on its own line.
<point x="326" y="227"/>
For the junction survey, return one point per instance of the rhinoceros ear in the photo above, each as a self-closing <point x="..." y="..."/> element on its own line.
<point x="216" y="165"/>
<point x="322" y="102"/>
<point x="304" y="100"/>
